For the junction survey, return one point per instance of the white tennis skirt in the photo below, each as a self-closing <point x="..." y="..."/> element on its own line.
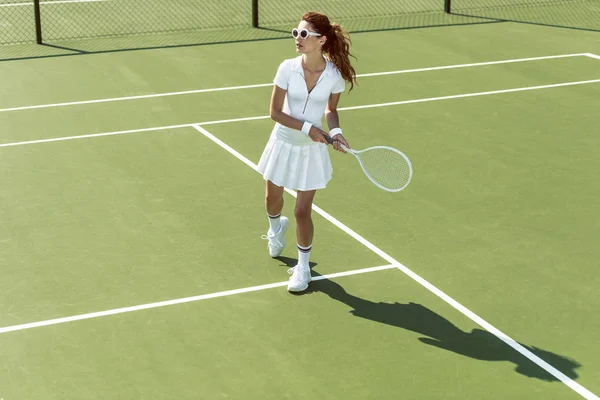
<point x="294" y="161"/>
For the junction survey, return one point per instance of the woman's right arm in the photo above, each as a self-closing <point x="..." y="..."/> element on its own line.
<point x="277" y="114"/>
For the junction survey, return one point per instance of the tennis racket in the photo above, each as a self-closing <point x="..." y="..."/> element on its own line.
<point x="386" y="167"/>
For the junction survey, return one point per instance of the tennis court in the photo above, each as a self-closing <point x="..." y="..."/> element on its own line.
<point x="131" y="219"/>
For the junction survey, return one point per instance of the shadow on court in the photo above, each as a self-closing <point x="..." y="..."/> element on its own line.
<point x="441" y="333"/>
<point x="291" y="262"/>
<point x="126" y="43"/>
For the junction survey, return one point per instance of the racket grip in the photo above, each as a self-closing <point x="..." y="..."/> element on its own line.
<point x="330" y="141"/>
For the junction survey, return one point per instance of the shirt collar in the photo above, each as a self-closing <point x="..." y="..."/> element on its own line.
<point x="297" y="66"/>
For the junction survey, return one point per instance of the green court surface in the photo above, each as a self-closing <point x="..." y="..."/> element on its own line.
<point x="123" y="203"/>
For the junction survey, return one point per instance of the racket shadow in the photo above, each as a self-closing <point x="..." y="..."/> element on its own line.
<point x="439" y="332"/>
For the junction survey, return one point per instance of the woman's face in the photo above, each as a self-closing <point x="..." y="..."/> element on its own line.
<point x="310" y="43"/>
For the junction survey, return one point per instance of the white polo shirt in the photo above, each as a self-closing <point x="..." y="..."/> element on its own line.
<point x="299" y="103"/>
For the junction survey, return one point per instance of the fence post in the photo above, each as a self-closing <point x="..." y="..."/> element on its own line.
<point x="255" y="13"/>
<point x="448" y="6"/>
<point x="38" y="21"/>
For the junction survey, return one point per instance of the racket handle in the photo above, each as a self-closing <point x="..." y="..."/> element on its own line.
<point x="330" y="141"/>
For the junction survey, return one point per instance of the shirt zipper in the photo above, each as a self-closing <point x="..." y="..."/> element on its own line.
<point x="306" y="103"/>
<point x="308" y="97"/>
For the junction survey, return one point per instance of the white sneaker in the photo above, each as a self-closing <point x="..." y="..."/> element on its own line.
<point x="277" y="241"/>
<point x="299" y="279"/>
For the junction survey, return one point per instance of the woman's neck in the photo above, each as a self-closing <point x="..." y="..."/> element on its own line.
<point x="313" y="61"/>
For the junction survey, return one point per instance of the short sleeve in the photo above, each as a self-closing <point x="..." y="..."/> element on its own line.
<point x="339" y="86"/>
<point x="283" y="75"/>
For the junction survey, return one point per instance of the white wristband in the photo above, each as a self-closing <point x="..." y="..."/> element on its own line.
<point x="335" y="131"/>
<point x="306" y="127"/>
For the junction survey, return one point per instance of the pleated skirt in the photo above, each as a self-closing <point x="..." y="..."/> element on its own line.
<point x="295" y="162"/>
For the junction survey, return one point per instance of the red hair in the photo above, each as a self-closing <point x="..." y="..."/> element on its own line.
<point x="337" y="45"/>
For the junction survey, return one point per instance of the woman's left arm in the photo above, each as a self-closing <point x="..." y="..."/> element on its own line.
<point x="333" y="121"/>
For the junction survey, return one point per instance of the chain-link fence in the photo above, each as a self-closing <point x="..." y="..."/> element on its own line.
<point x="574" y="14"/>
<point x="76" y="19"/>
<point x="17" y="22"/>
<point x="360" y="16"/>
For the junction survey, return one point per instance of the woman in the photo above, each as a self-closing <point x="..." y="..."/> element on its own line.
<point x="296" y="157"/>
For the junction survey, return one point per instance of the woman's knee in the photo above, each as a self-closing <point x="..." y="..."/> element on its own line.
<point x="302" y="211"/>
<point x="274" y="194"/>
<point x="273" y="198"/>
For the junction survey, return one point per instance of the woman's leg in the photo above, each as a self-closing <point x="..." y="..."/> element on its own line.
<point x="274" y="198"/>
<point x="277" y="224"/>
<point x="304" y="225"/>
<point x="303" y="214"/>
<point x="301" y="276"/>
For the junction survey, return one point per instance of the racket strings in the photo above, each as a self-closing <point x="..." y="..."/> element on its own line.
<point x="386" y="168"/>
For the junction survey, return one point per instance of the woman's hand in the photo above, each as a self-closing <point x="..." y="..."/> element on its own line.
<point x="317" y="135"/>
<point x="338" y="140"/>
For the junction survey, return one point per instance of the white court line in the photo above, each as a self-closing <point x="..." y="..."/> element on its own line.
<point x="60" y="139"/>
<point x="457" y="96"/>
<point x="145" y="96"/>
<point x="473" y="64"/>
<point x="597" y="57"/>
<point x="149" y="96"/>
<point x="459" y="307"/>
<point x="148" y="306"/>
<point x="49" y="2"/>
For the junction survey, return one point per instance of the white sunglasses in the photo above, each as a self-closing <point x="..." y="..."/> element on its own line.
<point x="304" y="33"/>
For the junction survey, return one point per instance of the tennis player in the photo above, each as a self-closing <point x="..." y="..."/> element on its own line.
<point x="307" y="88"/>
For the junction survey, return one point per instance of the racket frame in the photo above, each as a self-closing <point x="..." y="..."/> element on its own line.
<point x="356" y="154"/>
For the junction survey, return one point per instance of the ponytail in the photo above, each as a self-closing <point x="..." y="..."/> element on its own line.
<point x="337" y="49"/>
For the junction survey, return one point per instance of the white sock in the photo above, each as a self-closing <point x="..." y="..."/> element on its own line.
<point x="274" y="223"/>
<point x="304" y="255"/>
